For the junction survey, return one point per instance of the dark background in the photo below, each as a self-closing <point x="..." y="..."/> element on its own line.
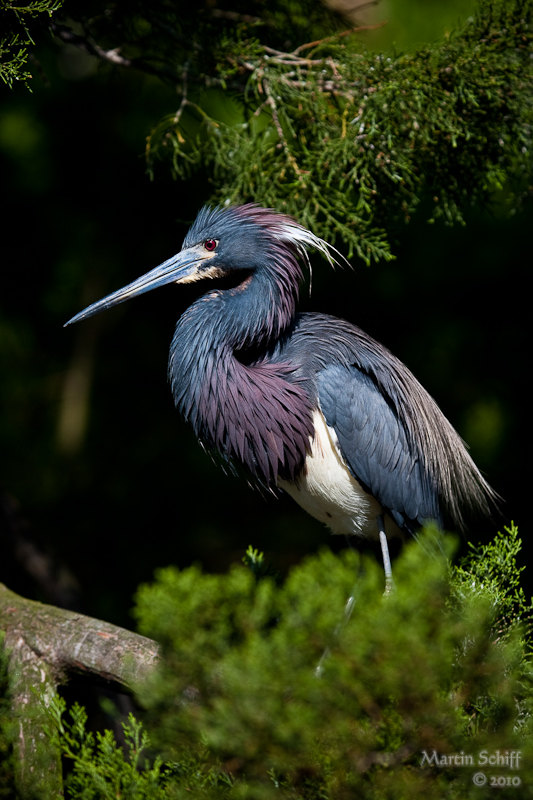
<point x="97" y="469"/>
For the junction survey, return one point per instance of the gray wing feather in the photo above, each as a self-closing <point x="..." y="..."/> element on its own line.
<point x="392" y="435"/>
<point x="376" y="445"/>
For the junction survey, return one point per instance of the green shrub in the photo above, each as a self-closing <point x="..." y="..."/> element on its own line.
<point x="270" y="689"/>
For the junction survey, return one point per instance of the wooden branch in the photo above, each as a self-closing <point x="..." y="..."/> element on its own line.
<point x="68" y="641"/>
<point x="44" y="644"/>
<point x="110" y="56"/>
<point x="279" y="129"/>
<point x="335" y="36"/>
<point x="68" y="36"/>
<point x="32" y="688"/>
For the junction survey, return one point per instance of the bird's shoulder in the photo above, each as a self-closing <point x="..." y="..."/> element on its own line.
<point x="317" y="341"/>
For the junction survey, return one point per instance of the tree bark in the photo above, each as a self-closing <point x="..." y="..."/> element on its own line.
<point x="44" y="644"/>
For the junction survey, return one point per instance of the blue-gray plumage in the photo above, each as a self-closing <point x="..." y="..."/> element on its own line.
<point x="305" y="402"/>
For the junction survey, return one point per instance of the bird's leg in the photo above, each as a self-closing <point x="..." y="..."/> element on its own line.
<point x="389" y="583"/>
<point x="348" y="608"/>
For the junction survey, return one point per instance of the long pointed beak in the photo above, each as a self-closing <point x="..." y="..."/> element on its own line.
<point x="181" y="268"/>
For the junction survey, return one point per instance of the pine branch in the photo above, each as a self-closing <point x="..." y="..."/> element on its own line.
<point x="351" y="142"/>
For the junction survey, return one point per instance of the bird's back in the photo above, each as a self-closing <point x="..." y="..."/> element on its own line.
<point x="388" y="430"/>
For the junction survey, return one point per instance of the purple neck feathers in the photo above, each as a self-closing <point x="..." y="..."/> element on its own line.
<point x="254" y="413"/>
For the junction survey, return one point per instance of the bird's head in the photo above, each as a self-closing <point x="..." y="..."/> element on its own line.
<point x="226" y="242"/>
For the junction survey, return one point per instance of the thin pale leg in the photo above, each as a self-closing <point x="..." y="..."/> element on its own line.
<point x="389" y="583"/>
<point x="348" y="608"/>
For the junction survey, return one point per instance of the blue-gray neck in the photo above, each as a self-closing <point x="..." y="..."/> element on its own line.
<point x="254" y="413"/>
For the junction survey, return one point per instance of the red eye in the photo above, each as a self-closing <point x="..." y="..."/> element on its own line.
<point x="210" y="244"/>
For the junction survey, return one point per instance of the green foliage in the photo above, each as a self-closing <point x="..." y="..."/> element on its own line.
<point x="279" y="106"/>
<point x="255" y="561"/>
<point x="409" y="682"/>
<point x="351" y="142"/>
<point x="491" y="571"/>
<point x="101" y="769"/>
<point x="16" y="38"/>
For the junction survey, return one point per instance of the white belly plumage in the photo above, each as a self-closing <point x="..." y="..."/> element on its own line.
<point x="327" y="490"/>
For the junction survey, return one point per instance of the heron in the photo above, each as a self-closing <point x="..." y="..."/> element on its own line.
<point x="304" y="402"/>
